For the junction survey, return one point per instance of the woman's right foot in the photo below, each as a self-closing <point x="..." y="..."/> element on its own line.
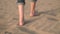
<point x="31" y="15"/>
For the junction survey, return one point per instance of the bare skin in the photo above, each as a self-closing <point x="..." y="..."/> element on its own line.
<point x="21" y="12"/>
<point x="32" y="9"/>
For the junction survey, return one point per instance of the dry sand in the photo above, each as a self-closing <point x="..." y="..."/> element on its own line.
<point x="48" y="21"/>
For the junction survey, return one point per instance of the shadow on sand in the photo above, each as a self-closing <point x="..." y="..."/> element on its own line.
<point x="52" y="12"/>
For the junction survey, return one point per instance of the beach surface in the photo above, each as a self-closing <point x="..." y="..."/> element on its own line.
<point x="47" y="21"/>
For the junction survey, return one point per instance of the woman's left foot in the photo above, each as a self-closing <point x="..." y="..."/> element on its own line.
<point x="21" y="24"/>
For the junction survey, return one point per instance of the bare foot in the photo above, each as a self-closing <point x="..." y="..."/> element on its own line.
<point x="31" y="15"/>
<point x="21" y="24"/>
<point x="34" y="14"/>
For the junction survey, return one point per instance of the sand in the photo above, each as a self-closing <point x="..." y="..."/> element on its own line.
<point x="47" y="22"/>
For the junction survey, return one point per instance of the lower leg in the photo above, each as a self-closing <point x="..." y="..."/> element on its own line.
<point x="32" y="8"/>
<point x="21" y="14"/>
